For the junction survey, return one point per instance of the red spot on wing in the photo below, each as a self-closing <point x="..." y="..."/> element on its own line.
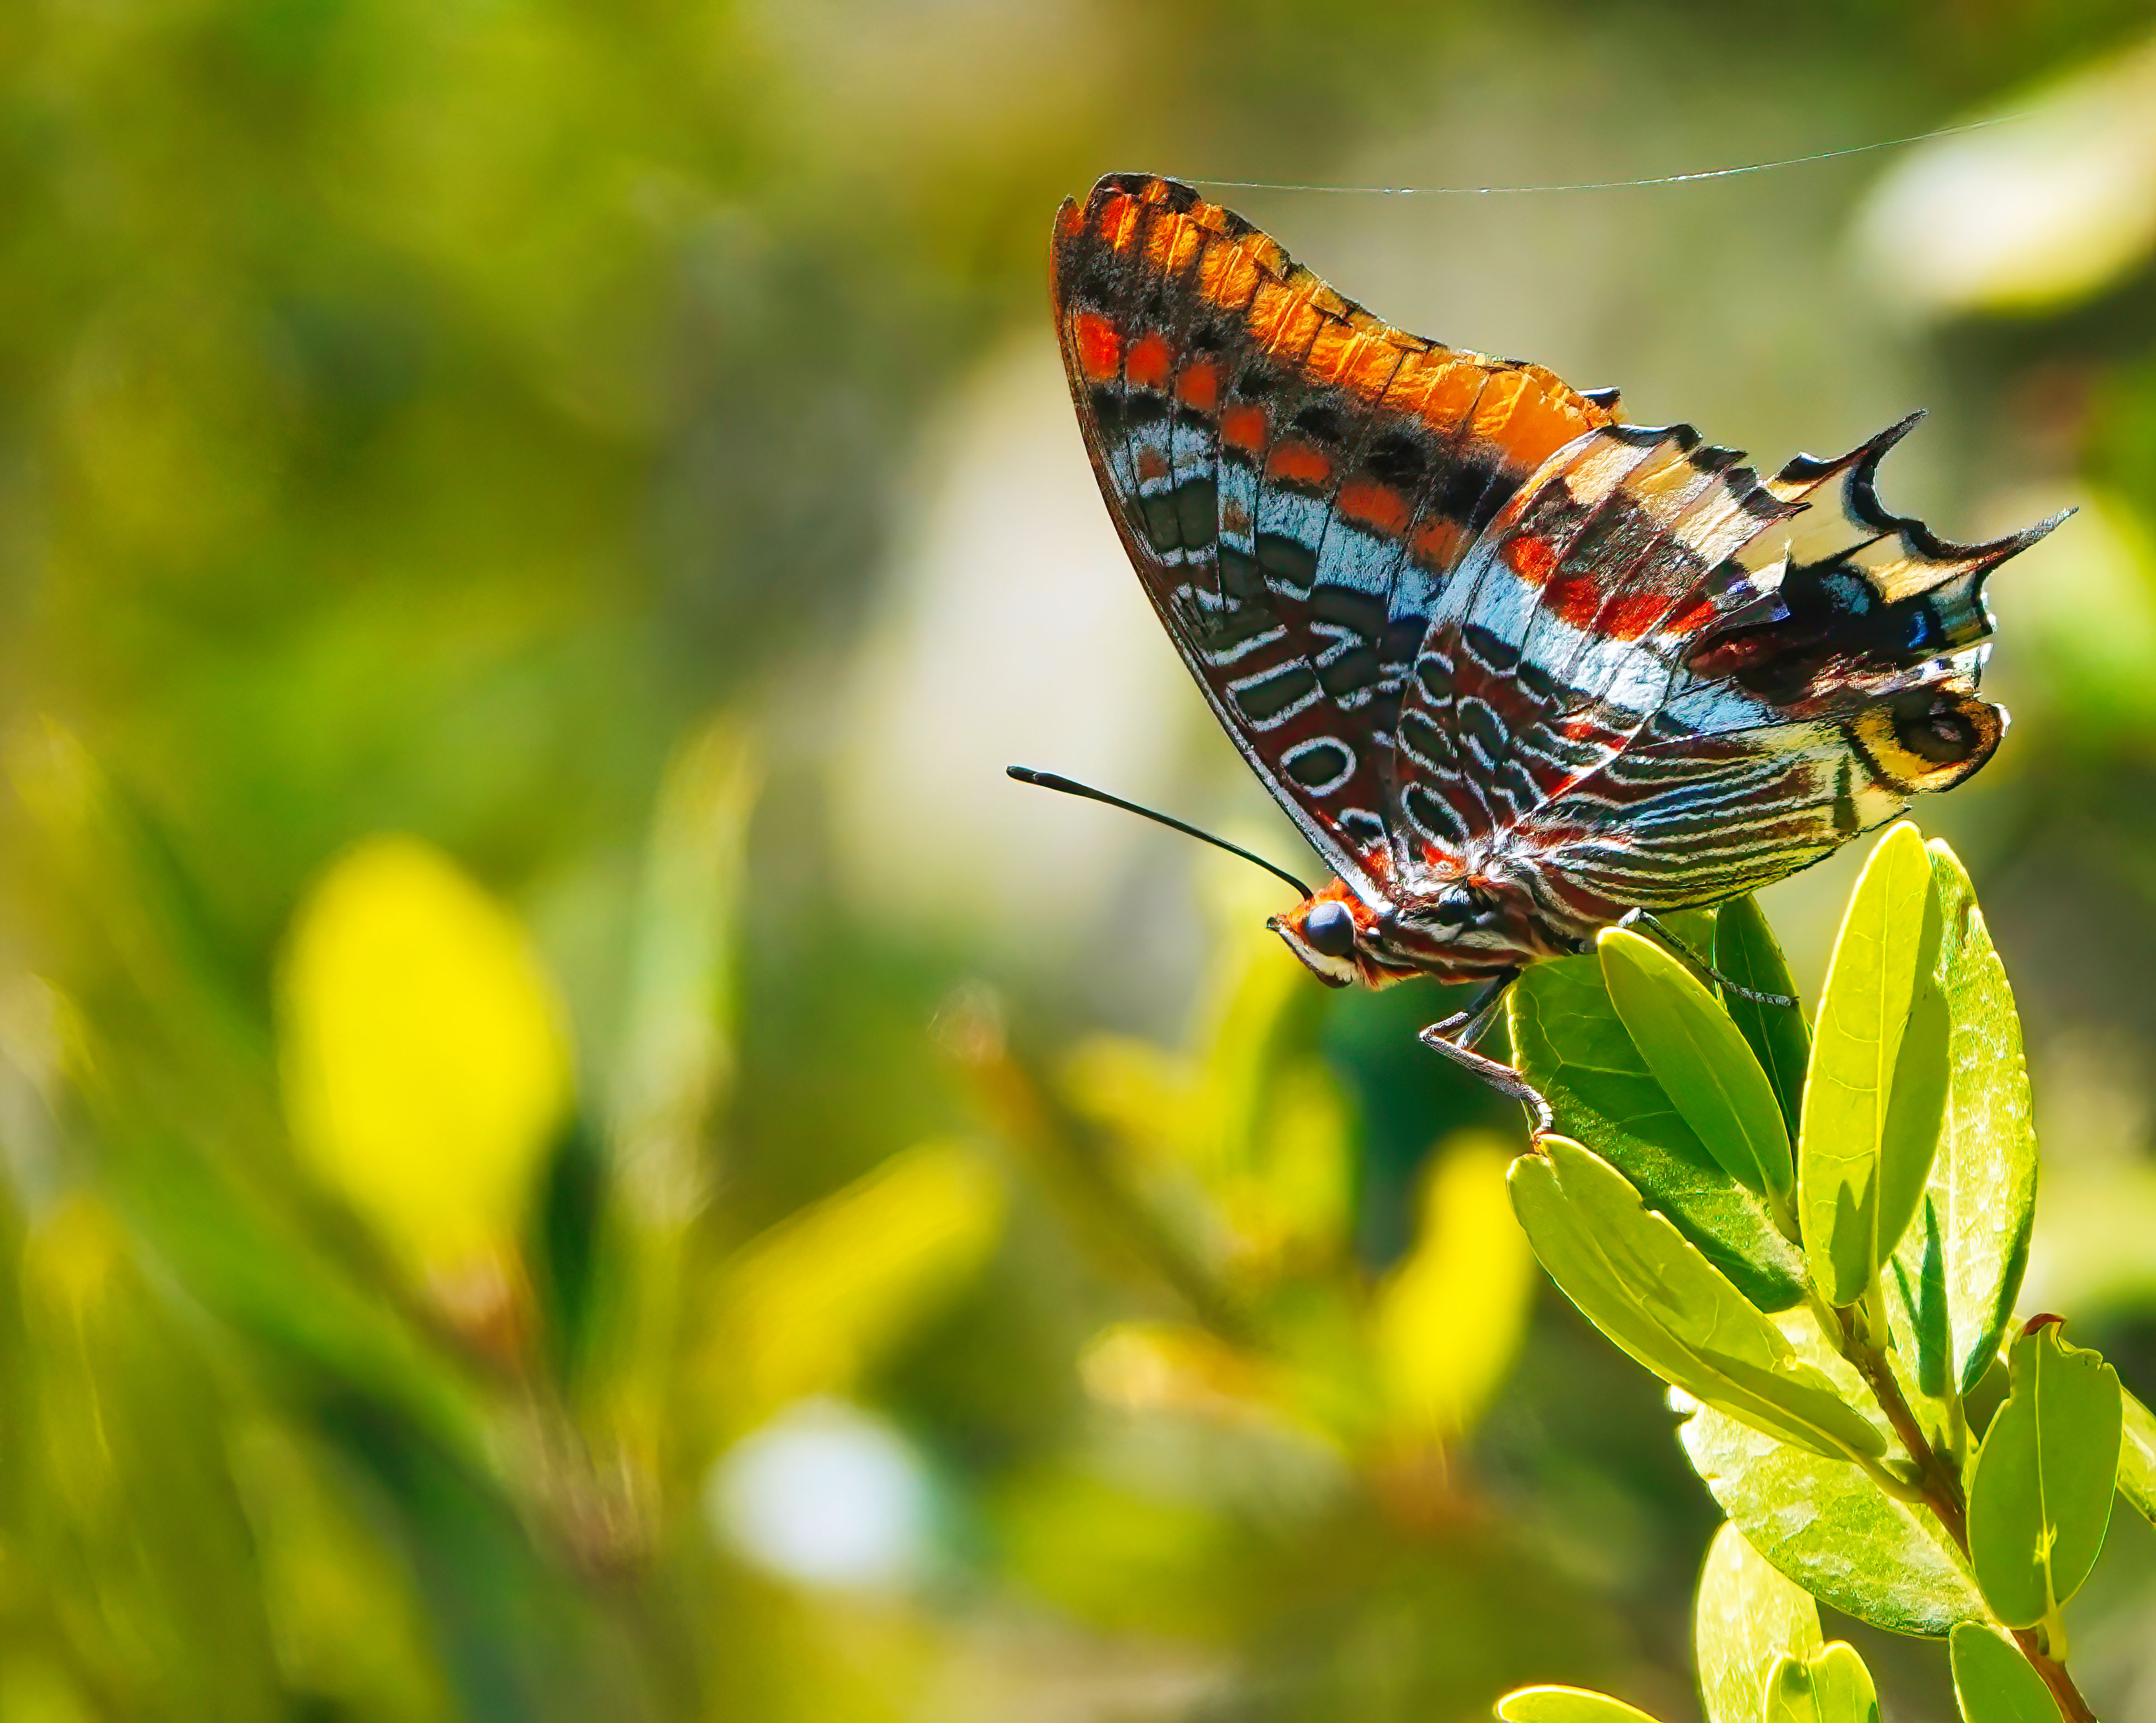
<point x="1152" y="463"/>
<point x="1199" y="385"/>
<point x="1375" y="505"/>
<point x="1298" y="463"/>
<point x="1100" y="347"/>
<point x="1531" y="558"/>
<point x="1147" y="366"/>
<point x="1632" y="614"/>
<point x="1573" y="598"/>
<point x="1245" y="427"/>
<point x="1693" y="615"/>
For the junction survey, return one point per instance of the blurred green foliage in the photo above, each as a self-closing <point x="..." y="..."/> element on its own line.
<point x="452" y="458"/>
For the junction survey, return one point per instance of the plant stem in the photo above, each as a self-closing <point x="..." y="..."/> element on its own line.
<point x="2067" y="1696"/>
<point x="1941" y="1488"/>
<point x="1942" y="1491"/>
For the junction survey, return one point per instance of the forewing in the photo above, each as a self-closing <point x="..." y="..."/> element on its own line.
<point x="1657" y="680"/>
<point x="1296" y="482"/>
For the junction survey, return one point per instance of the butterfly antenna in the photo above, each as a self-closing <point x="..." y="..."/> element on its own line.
<point x="1071" y="786"/>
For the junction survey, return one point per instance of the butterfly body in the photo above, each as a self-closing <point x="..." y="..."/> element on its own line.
<point x="1515" y="666"/>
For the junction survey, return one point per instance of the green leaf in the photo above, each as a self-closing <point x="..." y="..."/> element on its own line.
<point x="1701" y="1061"/>
<point x="1917" y="1103"/>
<point x="1959" y="1268"/>
<point x="2136" y="1457"/>
<point x="1747" y="952"/>
<point x="1635" y="1276"/>
<point x="1566" y="1705"/>
<point x="1845" y="1182"/>
<point x="1745" y="1618"/>
<point x="1994" y="1683"/>
<point x="1828" y="1526"/>
<point x="2039" y="1497"/>
<point x="1832" y="1686"/>
<point x="1568" y="1041"/>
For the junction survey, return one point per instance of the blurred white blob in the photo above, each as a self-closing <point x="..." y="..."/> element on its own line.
<point x="826" y="1496"/>
<point x="2031" y="212"/>
<point x="1018" y="634"/>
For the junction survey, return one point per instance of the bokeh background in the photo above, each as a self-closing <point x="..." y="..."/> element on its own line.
<point x="573" y="1150"/>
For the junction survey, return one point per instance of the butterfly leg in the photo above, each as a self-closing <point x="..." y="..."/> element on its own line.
<point x="1698" y="965"/>
<point x="1455" y="1038"/>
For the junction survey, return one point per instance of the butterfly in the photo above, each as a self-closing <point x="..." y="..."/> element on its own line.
<point x="1518" y="669"/>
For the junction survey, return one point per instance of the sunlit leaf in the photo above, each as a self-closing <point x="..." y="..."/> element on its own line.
<point x="1994" y="1683"/>
<point x="1567" y="1704"/>
<point x="2136" y="1457"/>
<point x="1745" y="1618"/>
<point x="1635" y="1277"/>
<point x="426" y="1065"/>
<point x="1446" y="1323"/>
<point x="1960" y="1266"/>
<point x="1747" y="953"/>
<point x="1830" y="1686"/>
<point x="1828" y="1526"/>
<point x="1568" y="1040"/>
<point x="2039" y="1496"/>
<point x="1916" y="1106"/>
<point x="1853" y="1172"/>
<point x="1701" y="1061"/>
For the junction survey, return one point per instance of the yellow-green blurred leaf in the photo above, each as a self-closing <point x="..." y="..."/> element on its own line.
<point x="2136" y="1457"/>
<point x="116" y="1454"/>
<point x="1153" y="1367"/>
<point x="426" y="1062"/>
<point x="344" y="1614"/>
<point x="808" y="1305"/>
<point x="1447" y="1322"/>
<point x="675" y="1065"/>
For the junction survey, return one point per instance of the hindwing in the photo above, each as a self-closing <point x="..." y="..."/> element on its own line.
<point x="1660" y="681"/>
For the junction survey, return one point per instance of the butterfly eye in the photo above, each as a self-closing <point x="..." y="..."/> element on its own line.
<point x="1329" y="929"/>
<point x="1460" y="906"/>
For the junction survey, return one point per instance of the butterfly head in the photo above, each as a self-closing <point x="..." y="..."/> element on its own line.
<point x="1343" y="942"/>
<point x="1464" y="931"/>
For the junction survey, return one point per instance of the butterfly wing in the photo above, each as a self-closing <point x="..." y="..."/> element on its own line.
<point x="1295" y="481"/>
<point x="1657" y="680"/>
